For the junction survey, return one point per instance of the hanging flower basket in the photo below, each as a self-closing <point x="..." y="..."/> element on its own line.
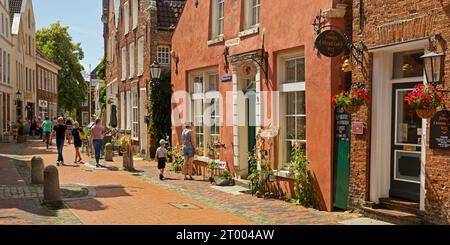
<point x="353" y="99"/>
<point x="352" y="108"/>
<point x="425" y="99"/>
<point x="426" y="113"/>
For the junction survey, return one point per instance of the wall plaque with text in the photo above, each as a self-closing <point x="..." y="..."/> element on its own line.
<point x="440" y="130"/>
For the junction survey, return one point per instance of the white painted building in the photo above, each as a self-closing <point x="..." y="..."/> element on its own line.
<point x="7" y="92"/>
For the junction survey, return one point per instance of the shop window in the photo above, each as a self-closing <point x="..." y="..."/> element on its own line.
<point x="408" y="64"/>
<point x="295" y="70"/>
<point x="206" y="108"/>
<point x="122" y="110"/>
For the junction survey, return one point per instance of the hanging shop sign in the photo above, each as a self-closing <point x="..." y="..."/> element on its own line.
<point x="227" y="78"/>
<point x="43" y="103"/>
<point x="440" y="130"/>
<point x="330" y="43"/>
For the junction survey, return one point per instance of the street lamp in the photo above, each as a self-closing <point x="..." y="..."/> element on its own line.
<point x="155" y="70"/>
<point x="434" y="67"/>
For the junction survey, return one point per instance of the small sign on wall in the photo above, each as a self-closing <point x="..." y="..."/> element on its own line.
<point x="227" y="78"/>
<point x="358" y="128"/>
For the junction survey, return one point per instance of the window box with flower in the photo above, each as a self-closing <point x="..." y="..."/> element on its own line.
<point x="353" y="99"/>
<point x="425" y="99"/>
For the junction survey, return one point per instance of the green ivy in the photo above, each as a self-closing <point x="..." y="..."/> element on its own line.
<point x="254" y="173"/>
<point x="303" y="180"/>
<point x="160" y="109"/>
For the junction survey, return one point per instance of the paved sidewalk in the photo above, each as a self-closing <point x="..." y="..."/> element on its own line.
<point x="139" y="198"/>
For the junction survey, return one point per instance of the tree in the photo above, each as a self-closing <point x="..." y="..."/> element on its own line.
<point x="101" y="69"/>
<point x="56" y="43"/>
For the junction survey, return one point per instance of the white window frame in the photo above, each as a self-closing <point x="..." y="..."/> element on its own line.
<point x="126" y="19"/>
<point x="124" y="64"/>
<point x="285" y="88"/>
<point x="140" y="71"/>
<point x="217" y="18"/>
<point x="135" y="13"/>
<point x="131" y="53"/>
<point x="205" y="96"/>
<point x="128" y="110"/>
<point x="135" y="114"/>
<point x="122" y="110"/>
<point x="163" y="55"/>
<point x="251" y="14"/>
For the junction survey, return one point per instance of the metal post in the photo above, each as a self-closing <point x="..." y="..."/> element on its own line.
<point x="90" y="94"/>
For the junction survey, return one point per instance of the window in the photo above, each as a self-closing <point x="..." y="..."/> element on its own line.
<point x="124" y="63"/>
<point x="135" y="13"/>
<point x="140" y="56"/>
<point x="163" y="55"/>
<point x="251" y="13"/>
<point x="408" y="64"/>
<point x="1" y="65"/>
<point x="9" y="69"/>
<point x="206" y="107"/>
<point x="293" y="105"/>
<point x="4" y="66"/>
<point x="131" y="50"/>
<point x="3" y="24"/>
<point x="217" y="18"/>
<point x="122" y="110"/>
<point x="126" y="15"/>
<point x="134" y="115"/>
<point x="128" y="110"/>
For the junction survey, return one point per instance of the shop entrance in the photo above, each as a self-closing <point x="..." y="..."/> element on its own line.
<point x="406" y="146"/>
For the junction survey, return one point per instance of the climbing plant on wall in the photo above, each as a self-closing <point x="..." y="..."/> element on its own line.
<point x="160" y="109"/>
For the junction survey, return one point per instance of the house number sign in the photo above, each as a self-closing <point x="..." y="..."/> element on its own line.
<point x="330" y="43"/>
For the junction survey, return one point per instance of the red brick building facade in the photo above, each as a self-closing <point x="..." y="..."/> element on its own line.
<point x="47" y="86"/>
<point x="137" y="33"/>
<point x="391" y="162"/>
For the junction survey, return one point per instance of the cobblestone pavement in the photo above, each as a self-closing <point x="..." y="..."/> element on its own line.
<point x="138" y="198"/>
<point x="257" y="210"/>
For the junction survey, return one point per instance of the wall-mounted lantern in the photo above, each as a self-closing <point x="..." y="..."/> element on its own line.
<point x="155" y="70"/>
<point x="434" y="67"/>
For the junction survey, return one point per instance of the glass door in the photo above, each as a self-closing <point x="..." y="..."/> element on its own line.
<point x="405" y="146"/>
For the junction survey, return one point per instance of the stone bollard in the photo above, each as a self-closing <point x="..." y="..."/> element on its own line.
<point x="52" y="194"/>
<point x="37" y="170"/>
<point x="109" y="152"/>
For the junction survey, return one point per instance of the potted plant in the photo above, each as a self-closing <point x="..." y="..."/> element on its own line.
<point x="213" y="153"/>
<point x="353" y="99"/>
<point x="425" y="99"/>
<point x="223" y="179"/>
<point x="199" y="150"/>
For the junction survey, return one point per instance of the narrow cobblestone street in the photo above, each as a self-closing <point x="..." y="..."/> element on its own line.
<point x="122" y="197"/>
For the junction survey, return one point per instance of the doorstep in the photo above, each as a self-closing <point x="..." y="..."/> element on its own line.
<point x="242" y="182"/>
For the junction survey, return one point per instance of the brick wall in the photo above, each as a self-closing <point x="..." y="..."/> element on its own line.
<point x="388" y="22"/>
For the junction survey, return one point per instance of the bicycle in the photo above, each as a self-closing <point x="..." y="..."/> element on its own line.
<point x="47" y="139"/>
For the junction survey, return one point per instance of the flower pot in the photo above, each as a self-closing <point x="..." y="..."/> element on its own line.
<point x="199" y="152"/>
<point x="221" y="181"/>
<point x="351" y="108"/>
<point x="426" y="113"/>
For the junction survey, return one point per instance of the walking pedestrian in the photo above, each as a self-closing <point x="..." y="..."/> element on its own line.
<point x="76" y="133"/>
<point x="33" y="127"/>
<point x="97" y="134"/>
<point x="60" y="131"/>
<point x="188" y="150"/>
<point x="39" y="127"/>
<point x="161" y="155"/>
<point x="69" y="124"/>
<point x="47" y="130"/>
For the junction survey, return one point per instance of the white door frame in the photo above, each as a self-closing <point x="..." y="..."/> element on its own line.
<point x="380" y="157"/>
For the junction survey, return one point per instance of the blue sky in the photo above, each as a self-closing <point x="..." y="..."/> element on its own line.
<point x="83" y="19"/>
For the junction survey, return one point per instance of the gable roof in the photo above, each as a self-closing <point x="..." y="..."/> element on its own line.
<point x="169" y="12"/>
<point x="15" y="7"/>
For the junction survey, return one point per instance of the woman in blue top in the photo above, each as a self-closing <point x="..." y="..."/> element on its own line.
<point x="188" y="150"/>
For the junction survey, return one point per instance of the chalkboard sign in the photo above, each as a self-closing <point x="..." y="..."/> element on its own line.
<point x="342" y="124"/>
<point x="440" y="131"/>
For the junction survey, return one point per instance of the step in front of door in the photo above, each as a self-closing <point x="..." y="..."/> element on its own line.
<point x="391" y="216"/>
<point x="400" y="205"/>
